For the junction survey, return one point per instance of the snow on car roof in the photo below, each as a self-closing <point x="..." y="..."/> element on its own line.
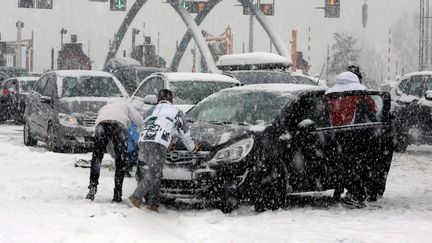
<point x="79" y="73"/>
<point x="26" y="78"/>
<point x="199" y="77"/>
<point x="280" y="88"/>
<point x="417" y="74"/>
<point x="253" y="58"/>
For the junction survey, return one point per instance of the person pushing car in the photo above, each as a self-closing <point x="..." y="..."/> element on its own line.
<point x="111" y="124"/>
<point x="155" y="139"/>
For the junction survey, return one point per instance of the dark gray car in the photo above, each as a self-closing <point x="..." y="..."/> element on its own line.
<point x="63" y="107"/>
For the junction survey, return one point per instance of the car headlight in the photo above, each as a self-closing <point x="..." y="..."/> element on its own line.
<point x="235" y="152"/>
<point x="67" y="120"/>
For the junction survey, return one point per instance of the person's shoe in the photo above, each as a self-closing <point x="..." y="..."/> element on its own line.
<point x="133" y="201"/>
<point x="154" y="208"/>
<point x="91" y="194"/>
<point x="351" y="203"/>
<point x="116" y="200"/>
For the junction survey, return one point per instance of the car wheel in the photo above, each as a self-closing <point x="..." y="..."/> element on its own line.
<point x="271" y="190"/>
<point x="51" y="140"/>
<point x="28" y="139"/>
<point x="401" y="143"/>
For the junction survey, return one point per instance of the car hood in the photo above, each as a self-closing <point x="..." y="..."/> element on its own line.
<point x="213" y="135"/>
<point x="85" y="106"/>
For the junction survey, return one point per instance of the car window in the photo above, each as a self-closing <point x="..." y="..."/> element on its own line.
<point x="428" y="84"/>
<point x="191" y="92"/>
<point x="400" y="88"/>
<point x="414" y="86"/>
<point x="264" y="77"/>
<point x="49" y="87"/>
<point x="151" y="87"/>
<point x="248" y="107"/>
<point x="41" y="84"/>
<point x="304" y="80"/>
<point x="27" y="86"/>
<point x="90" y="86"/>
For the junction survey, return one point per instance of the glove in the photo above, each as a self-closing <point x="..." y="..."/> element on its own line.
<point x="197" y="147"/>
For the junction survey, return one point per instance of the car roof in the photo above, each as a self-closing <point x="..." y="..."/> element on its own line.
<point x="26" y="78"/>
<point x="250" y="59"/>
<point x="79" y="73"/>
<point x="279" y="88"/>
<point x="422" y="73"/>
<point x="207" y="77"/>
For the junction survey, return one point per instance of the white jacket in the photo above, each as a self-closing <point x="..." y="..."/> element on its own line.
<point x="346" y="81"/>
<point x="122" y="112"/>
<point x="159" y="123"/>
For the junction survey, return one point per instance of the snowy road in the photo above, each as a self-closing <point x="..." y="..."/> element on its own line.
<point x="42" y="200"/>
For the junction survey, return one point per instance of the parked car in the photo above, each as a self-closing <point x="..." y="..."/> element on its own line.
<point x="130" y="72"/>
<point x="63" y="107"/>
<point x="14" y="93"/>
<point x="188" y="88"/>
<point x="260" y="142"/>
<point x="259" y="68"/>
<point x="412" y="107"/>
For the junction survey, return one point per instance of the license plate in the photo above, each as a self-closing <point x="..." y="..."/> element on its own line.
<point x="80" y="139"/>
<point x="176" y="174"/>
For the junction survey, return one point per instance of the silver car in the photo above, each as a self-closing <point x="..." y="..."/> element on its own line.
<point x="63" y="106"/>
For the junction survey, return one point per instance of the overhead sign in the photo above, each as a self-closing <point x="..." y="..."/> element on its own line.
<point x="194" y="7"/>
<point x="118" y="5"/>
<point x="41" y="4"/>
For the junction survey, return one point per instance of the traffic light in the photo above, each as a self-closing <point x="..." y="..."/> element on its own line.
<point x="267" y="8"/>
<point x="332" y="8"/>
<point x="194" y="7"/>
<point x="44" y="4"/>
<point x="26" y="4"/>
<point x="118" y="5"/>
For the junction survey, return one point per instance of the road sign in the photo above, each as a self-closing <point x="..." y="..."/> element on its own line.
<point x="118" y="5"/>
<point x="332" y="8"/>
<point x="26" y="4"/>
<point x="44" y="4"/>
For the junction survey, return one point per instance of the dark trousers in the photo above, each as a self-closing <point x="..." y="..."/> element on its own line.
<point x="117" y="133"/>
<point x="149" y="172"/>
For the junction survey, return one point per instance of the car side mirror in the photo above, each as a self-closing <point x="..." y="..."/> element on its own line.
<point x="307" y="125"/>
<point x="150" y="100"/>
<point x="428" y="95"/>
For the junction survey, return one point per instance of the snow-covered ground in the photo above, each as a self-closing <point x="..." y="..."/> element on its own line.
<point x="42" y="200"/>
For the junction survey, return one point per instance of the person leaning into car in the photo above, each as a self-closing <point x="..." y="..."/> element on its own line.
<point x="155" y="139"/>
<point x="111" y="124"/>
<point x="346" y="110"/>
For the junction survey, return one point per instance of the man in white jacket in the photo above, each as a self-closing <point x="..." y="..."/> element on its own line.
<point x="111" y="125"/>
<point x="159" y="123"/>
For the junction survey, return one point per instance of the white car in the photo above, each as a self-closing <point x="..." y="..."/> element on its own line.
<point x="188" y="88"/>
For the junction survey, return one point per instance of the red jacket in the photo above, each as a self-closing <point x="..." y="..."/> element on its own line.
<point x="343" y="109"/>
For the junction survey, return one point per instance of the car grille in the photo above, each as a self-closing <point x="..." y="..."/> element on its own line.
<point x="183" y="189"/>
<point x="185" y="158"/>
<point x="89" y="121"/>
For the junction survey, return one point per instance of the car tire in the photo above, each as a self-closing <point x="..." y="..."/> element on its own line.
<point x="51" y="140"/>
<point x="27" y="137"/>
<point x="270" y="192"/>
<point x="401" y="143"/>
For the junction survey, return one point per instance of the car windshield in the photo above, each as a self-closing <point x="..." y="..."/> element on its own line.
<point x="90" y="86"/>
<point x="192" y="92"/>
<point x="304" y="80"/>
<point x="27" y="86"/>
<point x="263" y="77"/>
<point x="251" y="107"/>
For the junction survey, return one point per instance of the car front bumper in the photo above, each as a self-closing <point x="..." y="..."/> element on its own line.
<point x="75" y="136"/>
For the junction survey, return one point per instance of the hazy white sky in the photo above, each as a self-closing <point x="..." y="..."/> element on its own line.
<point x="95" y="24"/>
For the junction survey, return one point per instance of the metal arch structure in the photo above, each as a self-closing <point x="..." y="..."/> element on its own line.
<point x="194" y="32"/>
<point x="197" y="35"/>
<point x="119" y="36"/>
<point x="262" y="19"/>
<point x="187" y="37"/>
